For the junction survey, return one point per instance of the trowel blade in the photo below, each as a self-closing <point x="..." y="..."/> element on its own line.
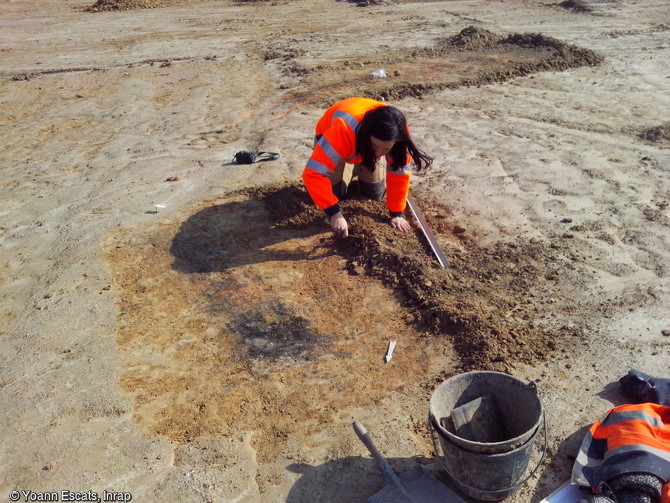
<point x="421" y="486"/>
<point x="437" y="250"/>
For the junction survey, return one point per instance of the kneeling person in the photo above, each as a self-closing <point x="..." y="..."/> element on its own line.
<point x="368" y="139"/>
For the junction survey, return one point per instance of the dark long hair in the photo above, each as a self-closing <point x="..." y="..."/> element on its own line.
<point x="387" y="123"/>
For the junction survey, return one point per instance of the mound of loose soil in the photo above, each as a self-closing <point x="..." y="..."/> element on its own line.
<point x="367" y="3"/>
<point x="469" y="39"/>
<point x="575" y="5"/>
<point x="657" y="134"/>
<point x="472" y="57"/>
<point x="110" y="5"/>
<point x="487" y="304"/>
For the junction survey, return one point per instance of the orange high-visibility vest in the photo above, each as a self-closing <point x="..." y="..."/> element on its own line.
<point x="338" y="127"/>
<point x="633" y="438"/>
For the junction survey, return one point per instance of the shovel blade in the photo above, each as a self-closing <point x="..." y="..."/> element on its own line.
<point x="421" y="486"/>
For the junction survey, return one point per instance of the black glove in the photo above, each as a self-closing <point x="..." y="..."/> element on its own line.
<point x="645" y="388"/>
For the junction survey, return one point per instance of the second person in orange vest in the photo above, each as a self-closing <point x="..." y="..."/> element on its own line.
<point x="368" y="139"/>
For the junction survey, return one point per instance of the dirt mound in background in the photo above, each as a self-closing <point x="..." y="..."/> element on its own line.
<point x="367" y="3"/>
<point x="472" y="57"/>
<point x="469" y="39"/>
<point x="658" y="134"/>
<point x="576" y="5"/>
<point x="110" y="5"/>
<point x="555" y="54"/>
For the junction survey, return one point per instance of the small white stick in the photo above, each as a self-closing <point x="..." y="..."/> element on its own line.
<point x="389" y="351"/>
<point x="159" y="206"/>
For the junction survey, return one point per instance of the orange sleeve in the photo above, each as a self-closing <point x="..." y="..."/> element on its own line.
<point x="319" y="189"/>
<point x="638" y="431"/>
<point x="397" y="186"/>
<point x="335" y="146"/>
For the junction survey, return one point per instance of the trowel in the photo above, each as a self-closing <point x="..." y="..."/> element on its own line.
<point x="413" y="486"/>
<point x="434" y="245"/>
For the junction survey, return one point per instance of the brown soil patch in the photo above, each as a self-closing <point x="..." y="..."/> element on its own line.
<point x="485" y="302"/>
<point x="109" y="5"/>
<point x="245" y="314"/>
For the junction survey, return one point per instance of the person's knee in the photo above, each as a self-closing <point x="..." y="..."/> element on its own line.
<point x="340" y="189"/>
<point x="375" y="190"/>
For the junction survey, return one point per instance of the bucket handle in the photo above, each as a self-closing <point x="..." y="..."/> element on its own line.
<point x="438" y="450"/>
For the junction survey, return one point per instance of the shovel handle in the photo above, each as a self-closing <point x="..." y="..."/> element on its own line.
<point x="383" y="464"/>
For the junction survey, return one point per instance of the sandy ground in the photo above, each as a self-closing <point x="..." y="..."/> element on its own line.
<point x="218" y="347"/>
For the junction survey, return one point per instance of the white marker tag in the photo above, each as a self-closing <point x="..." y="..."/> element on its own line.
<point x="389" y="351"/>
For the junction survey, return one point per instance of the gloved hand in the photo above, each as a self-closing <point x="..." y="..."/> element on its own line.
<point x="645" y="388"/>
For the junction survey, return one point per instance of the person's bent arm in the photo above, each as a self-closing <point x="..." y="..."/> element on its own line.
<point x="397" y="188"/>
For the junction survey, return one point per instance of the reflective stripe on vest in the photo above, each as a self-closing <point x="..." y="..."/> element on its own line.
<point x="352" y="122"/>
<point x="407" y="168"/>
<point x="630" y="438"/>
<point x="637" y="450"/>
<point x="329" y="150"/>
<point x="332" y="155"/>
<point x="630" y="415"/>
<point x="349" y="119"/>
<point x="318" y="167"/>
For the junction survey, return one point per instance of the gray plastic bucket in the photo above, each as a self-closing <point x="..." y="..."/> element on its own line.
<point x="488" y="471"/>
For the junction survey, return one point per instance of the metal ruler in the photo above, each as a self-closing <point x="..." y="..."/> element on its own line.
<point x="435" y="246"/>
